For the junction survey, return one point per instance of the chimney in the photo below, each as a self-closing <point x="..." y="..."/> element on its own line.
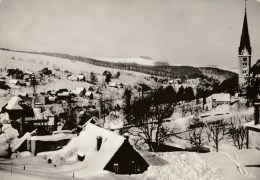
<point x="99" y="142"/>
<point x="256" y="113"/>
<point x="126" y="136"/>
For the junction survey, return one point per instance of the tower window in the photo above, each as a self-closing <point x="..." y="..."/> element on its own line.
<point x="244" y="72"/>
<point x="244" y="59"/>
<point x="244" y="64"/>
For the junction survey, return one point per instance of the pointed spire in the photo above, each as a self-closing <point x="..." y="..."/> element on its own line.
<point x="245" y="40"/>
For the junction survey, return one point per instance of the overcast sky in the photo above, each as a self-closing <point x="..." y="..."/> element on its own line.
<point x="191" y="32"/>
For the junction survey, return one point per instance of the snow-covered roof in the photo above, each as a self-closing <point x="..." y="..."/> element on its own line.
<point x="37" y="113"/>
<point x="252" y="125"/>
<point x="88" y="93"/>
<point x="221" y="97"/>
<point x="80" y="76"/>
<point x="13" y="103"/>
<point x="80" y="88"/>
<point x="13" y="81"/>
<point x="85" y="144"/>
<point x="76" y="92"/>
<point x="4" y="118"/>
<point x="54" y="137"/>
<point x="112" y="84"/>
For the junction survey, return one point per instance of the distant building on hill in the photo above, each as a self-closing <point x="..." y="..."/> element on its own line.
<point x="217" y="99"/>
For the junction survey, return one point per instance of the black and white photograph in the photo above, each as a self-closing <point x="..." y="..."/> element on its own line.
<point x="129" y="89"/>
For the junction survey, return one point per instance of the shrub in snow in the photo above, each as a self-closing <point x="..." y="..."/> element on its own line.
<point x="6" y="140"/>
<point x="55" y="159"/>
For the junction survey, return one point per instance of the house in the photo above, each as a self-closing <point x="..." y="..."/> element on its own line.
<point x="171" y="81"/>
<point x="79" y="91"/>
<point x="3" y="85"/>
<point x="100" y="149"/>
<point x="166" y="147"/>
<point x="81" y="77"/>
<point x="73" y="78"/>
<point x="13" y="108"/>
<point x="253" y="129"/>
<point x="22" y="82"/>
<point x="89" y="94"/>
<point x="217" y="99"/>
<point x="77" y="77"/>
<point x="40" y="99"/>
<point x="112" y="84"/>
<point x="63" y="94"/>
<point x="91" y="88"/>
<point x="15" y="73"/>
<point x="14" y="82"/>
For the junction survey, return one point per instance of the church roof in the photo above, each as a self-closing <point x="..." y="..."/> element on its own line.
<point x="245" y="40"/>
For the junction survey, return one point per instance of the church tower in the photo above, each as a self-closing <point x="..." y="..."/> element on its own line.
<point x="244" y="53"/>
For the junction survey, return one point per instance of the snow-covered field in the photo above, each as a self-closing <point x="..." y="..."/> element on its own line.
<point x="239" y="165"/>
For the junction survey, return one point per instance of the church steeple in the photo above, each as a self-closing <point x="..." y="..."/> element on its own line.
<point x="245" y="40"/>
<point x="244" y="53"/>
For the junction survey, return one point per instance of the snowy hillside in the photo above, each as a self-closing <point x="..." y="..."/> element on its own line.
<point x="36" y="62"/>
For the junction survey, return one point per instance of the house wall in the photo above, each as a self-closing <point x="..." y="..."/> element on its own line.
<point x="36" y="146"/>
<point x="127" y="161"/>
<point x="209" y="103"/>
<point x="253" y="139"/>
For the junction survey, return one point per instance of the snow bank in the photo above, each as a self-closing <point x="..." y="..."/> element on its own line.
<point x="188" y="166"/>
<point x="181" y="123"/>
<point x="10" y="134"/>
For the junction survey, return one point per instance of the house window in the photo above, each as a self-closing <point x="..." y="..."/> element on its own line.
<point x="133" y="168"/>
<point x="138" y="168"/>
<point x="115" y="168"/>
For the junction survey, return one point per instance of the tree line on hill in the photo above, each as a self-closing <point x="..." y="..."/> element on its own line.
<point x="164" y="70"/>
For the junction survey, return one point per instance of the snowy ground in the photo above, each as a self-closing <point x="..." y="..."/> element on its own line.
<point x="239" y="165"/>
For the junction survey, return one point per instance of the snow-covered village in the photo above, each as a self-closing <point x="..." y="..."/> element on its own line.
<point x="135" y="90"/>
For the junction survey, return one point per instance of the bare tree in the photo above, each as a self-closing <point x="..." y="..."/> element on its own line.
<point x="237" y="132"/>
<point x="216" y="132"/>
<point x="105" y="107"/>
<point x="147" y="117"/>
<point x="197" y="138"/>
